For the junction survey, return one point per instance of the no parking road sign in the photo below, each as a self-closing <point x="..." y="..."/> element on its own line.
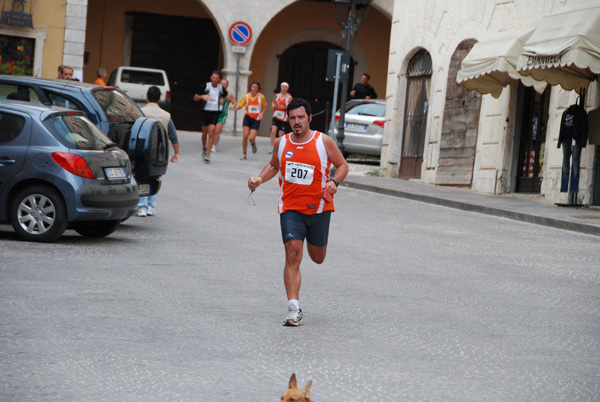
<point x="240" y="33"/>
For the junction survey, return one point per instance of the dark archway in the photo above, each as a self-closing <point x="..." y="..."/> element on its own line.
<point x="187" y="48"/>
<point x="304" y="67"/>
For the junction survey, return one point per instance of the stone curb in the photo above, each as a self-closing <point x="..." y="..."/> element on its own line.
<point x="465" y="206"/>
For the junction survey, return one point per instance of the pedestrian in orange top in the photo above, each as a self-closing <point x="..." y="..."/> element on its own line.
<point x="255" y="107"/>
<point x="101" y="77"/>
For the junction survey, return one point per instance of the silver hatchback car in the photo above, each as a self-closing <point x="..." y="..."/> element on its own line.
<point x="364" y="122"/>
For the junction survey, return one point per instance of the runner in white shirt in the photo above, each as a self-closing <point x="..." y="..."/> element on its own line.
<point x="213" y="95"/>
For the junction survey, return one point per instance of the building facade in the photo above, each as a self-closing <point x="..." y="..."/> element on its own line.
<point x="436" y="131"/>
<point x="441" y="133"/>
<point x="38" y="36"/>
<point x="190" y="38"/>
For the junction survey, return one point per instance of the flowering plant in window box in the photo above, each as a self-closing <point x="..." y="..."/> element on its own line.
<point x="18" y="67"/>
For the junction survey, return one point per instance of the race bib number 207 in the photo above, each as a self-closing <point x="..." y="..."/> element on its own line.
<point x="299" y="173"/>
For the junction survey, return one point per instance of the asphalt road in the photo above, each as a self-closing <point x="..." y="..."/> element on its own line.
<point x="415" y="302"/>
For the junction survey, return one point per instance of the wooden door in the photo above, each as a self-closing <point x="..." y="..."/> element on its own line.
<point x="415" y="115"/>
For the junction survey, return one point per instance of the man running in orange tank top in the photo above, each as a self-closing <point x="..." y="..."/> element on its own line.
<point x="301" y="160"/>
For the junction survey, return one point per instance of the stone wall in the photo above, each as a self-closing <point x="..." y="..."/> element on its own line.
<point x="76" y="15"/>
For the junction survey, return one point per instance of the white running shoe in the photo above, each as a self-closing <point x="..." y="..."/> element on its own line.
<point x="142" y="213"/>
<point x="243" y="158"/>
<point x="254" y="148"/>
<point x="207" y="158"/>
<point x="150" y="212"/>
<point x="294" y="317"/>
<point x="203" y="153"/>
<point x="213" y="149"/>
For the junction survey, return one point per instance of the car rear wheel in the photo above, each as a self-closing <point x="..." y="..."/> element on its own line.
<point x="95" y="228"/>
<point x="38" y="213"/>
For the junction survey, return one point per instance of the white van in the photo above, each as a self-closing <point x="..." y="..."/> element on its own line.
<point x="135" y="81"/>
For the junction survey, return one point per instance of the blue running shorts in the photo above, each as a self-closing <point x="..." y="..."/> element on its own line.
<point x="313" y="228"/>
<point x="250" y="122"/>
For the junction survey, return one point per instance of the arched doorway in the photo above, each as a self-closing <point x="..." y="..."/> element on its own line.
<point x="188" y="63"/>
<point x="459" y="129"/>
<point x="415" y="121"/>
<point x="304" y="67"/>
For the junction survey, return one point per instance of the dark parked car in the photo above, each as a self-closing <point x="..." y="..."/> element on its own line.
<point x="112" y="111"/>
<point x="58" y="169"/>
<point x="363" y="132"/>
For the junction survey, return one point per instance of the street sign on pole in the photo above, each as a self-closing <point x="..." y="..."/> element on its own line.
<point x="240" y="33"/>
<point x="332" y="58"/>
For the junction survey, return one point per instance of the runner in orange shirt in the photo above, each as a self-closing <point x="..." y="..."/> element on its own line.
<point x="279" y="124"/>
<point x="255" y="107"/>
<point x="301" y="160"/>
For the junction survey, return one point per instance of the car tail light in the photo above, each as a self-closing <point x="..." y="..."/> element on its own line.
<point x="74" y="164"/>
<point x="168" y="95"/>
<point x="379" y="123"/>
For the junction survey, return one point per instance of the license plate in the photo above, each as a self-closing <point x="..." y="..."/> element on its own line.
<point x="115" y="173"/>
<point x="143" y="190"/>
<point x="356" y="126"/>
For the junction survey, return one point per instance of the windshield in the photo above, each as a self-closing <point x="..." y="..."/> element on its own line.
<point x="117" y="106"/>
<point x="366" y="109"/>
<point x="77" y="132"/>
<point x="142" y="77"/>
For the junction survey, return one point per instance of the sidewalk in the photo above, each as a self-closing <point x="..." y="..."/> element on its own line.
<point x="582" y="220"/>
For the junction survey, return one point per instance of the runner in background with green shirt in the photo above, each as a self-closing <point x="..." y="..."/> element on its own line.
<point x="229" y="98"/>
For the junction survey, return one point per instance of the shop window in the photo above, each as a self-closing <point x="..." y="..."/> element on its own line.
<point x="16" y="55"/>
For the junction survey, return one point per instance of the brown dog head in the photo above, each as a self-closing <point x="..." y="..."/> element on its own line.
<point x="293" y="394"/>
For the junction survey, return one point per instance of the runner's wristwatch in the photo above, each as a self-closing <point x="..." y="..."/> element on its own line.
<point x="335" y="182"/>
